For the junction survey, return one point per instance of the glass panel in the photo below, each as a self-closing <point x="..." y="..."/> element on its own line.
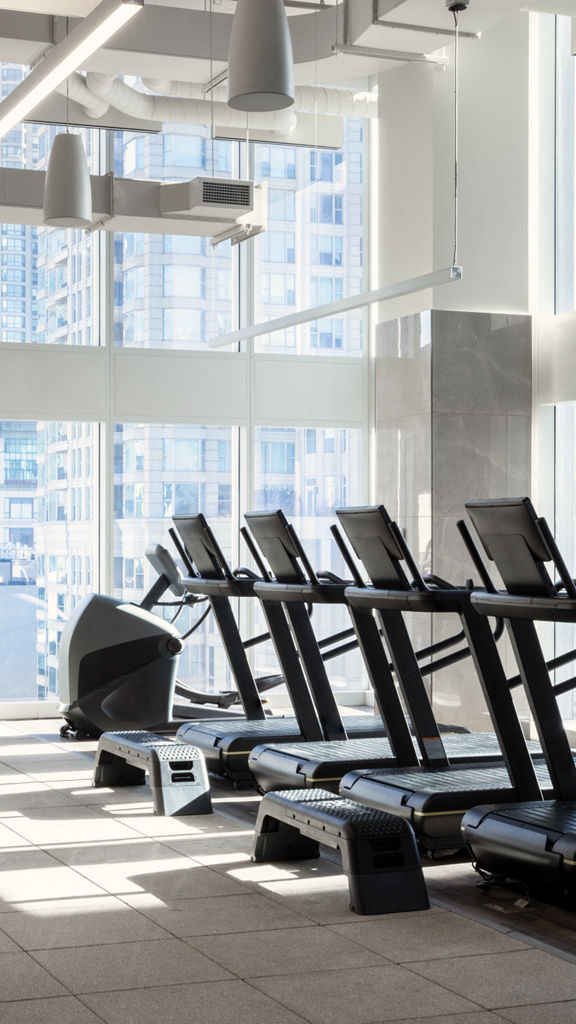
<point x="565" y="167"/>
<point x="172" y="291"/>
<point x="565" y="501"/>
<point x="47" y="275"/>
<point x="161" y="471"/>
<point x="308" y="473"/>
<point x="312" y="252"/>
<point x="48" y="546"/>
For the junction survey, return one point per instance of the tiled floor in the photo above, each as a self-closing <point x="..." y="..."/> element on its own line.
<point x="109" y="914"/>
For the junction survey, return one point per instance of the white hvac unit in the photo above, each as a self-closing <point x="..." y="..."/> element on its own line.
<point x="249" y="224"/>
<point x="209" y="198"/>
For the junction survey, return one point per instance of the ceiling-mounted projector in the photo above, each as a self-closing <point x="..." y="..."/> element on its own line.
<point x="212" y="198"/>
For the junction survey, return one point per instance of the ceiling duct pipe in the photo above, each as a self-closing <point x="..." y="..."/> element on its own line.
<point x="312" y="99"/>
<point x="76" y="89"/>
<point x="188" y="111"/>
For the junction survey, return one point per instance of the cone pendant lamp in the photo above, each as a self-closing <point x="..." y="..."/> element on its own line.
<point x="67" y="189"/>
<point x="260" y="61"/>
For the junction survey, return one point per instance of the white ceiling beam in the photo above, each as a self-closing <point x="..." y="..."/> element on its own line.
<point x="118" y="204"/>
<point x="170" y="34"/>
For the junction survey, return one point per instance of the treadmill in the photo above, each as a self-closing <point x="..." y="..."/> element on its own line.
<point x="225" y="743"/>
<point x="529" y="841"/>
<point x="378" y="542"/>
<point x="434" y="794"/>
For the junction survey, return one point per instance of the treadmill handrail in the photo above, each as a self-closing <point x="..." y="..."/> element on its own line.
<point x="557" y="558"/>
<point x="551" y="664"/>
<point x="476" y="557"/>
<point x="346" y="555"/>
<point x="252" y="548"/>
<point x="417" y="578"/>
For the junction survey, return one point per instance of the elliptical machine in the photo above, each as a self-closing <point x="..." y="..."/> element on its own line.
<point x="118" y="663"/>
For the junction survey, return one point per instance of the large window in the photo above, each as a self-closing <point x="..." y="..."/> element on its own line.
<point x="316" y="221"/>
<point x="172" y="291"/>
<point x="309" y="473"/>
<point x="47" y="275"/>
<point x="48" y="546"/>
<point x="160" y="472"/>
<point x="101" y="447"/>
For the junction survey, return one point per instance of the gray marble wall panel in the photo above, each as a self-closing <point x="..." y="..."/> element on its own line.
<point x="482" y="363"/>
<point x="453" y="422"/>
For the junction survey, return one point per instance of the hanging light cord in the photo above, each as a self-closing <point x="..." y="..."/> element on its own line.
<point x="67" y="95"/>
<point x="456" y="148"/>
<point x="210" y="43"/>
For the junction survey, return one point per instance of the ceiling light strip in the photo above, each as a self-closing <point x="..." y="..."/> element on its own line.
<point x="405" y="26"/>
<point x="374" y="52"/>
<point x="329" y="309"/>
<point x="87" y="37"/>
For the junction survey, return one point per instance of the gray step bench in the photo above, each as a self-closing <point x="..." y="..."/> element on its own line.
<point x="378" y="850"/>
<point x="176" y="771"/>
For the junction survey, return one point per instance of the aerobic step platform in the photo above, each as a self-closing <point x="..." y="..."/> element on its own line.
<point x="378" y="850"/>
<point x="176" y="771"/>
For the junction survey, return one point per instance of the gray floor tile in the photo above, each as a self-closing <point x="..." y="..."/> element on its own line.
<point x="505" y="979"/>
<point x="53" y="924"/>
<point x="267" y="874"/>
<point x="22" y="978"/>
<point x="361" y="996"/>
<point x="58" y="1010"/>
<point x="6" y="943"/>
<point x="157" y="826"/>
<point x="482" y="1017"/>
<point x="20" y="796"/>
<point x="164" y="876"/>
<point x="132" y="965"/>
<point x="47" y="762"/>
<point x="81" y="791"/>
<point x="220" y="915"/>
<point x="257" y="954"/>
<point x="324" y="900"/>
<point x="9" y="774"/>
<point x="216" y="1003"/>
<point x="136" y="850"/>
<point x="218" y="850"/>
<point x="425" y="936"/>
<point x="32" y="873"/>
<point x="47" y="825"/>
<point x="72" y="768"/>
<point x="550" y="1013"/>
<point x="145" y="865"/>
<point x="9" y="839"/>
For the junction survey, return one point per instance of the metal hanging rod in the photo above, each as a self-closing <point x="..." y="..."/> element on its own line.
<point x="406" y="27"/>
<point x="216" y="81"/>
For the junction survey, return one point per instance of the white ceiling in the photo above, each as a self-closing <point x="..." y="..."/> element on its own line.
<point x="479" y="15"/>
<point x="180" y="62"/>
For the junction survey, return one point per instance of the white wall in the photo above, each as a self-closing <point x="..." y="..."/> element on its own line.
<point x="506" y="155"/>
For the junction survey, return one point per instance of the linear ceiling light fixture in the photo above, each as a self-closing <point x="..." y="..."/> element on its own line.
<point x="87" y="37"/>
<point x="329" y="309"/>
<point x="260" y="59"/>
